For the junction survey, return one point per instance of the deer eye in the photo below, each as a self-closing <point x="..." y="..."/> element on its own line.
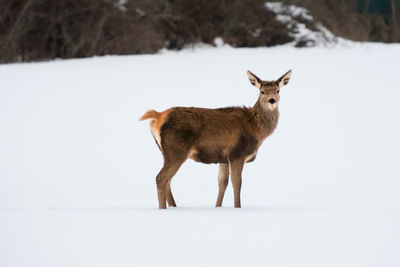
<point x="262" y="92"/>
<point x="278" y="91"/>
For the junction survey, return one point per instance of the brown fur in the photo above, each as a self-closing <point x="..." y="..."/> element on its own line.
<point x="229" y="136"/>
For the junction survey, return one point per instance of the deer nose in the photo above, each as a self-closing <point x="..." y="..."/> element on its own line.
<point x="272" y="101"/>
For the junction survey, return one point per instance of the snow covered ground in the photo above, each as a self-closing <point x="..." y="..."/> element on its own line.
<point x="77" y="168"/>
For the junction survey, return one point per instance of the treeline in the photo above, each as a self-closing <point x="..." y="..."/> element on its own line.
<point x="44" y="29"/>
<point x="33" y="30"/>
<point x="358" y="20"/>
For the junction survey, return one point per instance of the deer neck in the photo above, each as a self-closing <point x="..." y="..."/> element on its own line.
<point x="265" y="119"/>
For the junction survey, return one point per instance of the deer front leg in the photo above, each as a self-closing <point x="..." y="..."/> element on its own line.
<point x="223" y="176"/>
<point x="236" y="168"/>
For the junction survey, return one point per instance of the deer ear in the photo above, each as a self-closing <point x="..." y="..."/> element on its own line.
<point x="254" y="80"/>
<point x="284" y="79"/>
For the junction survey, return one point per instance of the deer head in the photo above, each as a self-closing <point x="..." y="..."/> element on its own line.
<point x="269" y="90"/>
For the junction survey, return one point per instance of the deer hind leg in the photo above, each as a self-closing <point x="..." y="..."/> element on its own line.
<point x="223" y="177"/>
<point x="170" y="197"/>
<point x="163" y="181"/>
<point x="236" y="167"/>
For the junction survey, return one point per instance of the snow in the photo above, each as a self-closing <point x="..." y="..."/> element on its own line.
<point x="294" y="11"/>
<point x="121" y="6"/>
<point x="296" y="19"/>
<point x="77" y="167"/>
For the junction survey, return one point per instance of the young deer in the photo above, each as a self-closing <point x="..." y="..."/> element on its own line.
<point x="229" y="136"/>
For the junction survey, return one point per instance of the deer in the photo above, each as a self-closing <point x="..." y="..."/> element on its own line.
<point x="229" y="136"/>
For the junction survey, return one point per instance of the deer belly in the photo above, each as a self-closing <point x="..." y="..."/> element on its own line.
<point x="208" y="155"/>
<point x="251" y="157"/>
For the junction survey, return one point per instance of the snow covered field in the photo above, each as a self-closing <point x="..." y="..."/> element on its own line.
<point x="77" y="168"/>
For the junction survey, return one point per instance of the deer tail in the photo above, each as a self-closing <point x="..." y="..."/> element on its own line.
<point x="151" y="114"/>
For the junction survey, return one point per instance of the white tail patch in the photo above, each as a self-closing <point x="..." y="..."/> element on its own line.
<point x="155" y="132"/>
